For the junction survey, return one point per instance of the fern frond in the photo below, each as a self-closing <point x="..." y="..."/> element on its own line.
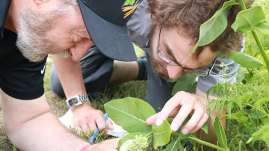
<point x="261" y="134"/>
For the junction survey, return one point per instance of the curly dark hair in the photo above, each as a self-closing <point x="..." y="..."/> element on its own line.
<point x="190" y="14"/>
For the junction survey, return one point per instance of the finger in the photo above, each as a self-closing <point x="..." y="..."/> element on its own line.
<point x="92" y="125"/>
<point x="151" y="120"/>
<point x="108" y="145"/>
<point x="77" y="130"/>
<point x="101" y="123"/>
<point x="84" y="124"/>
<point x="201" y="122"/>
<point x="195" y="119"/>
<point x="109" y="125"/>
<point x="113" y="142"/>
<point x="184" y="111"/>
<point x="169" y="107"/>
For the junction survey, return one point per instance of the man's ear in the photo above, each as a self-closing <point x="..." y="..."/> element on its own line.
<point x="38" y="2"/>
<point x="207" y="56"/>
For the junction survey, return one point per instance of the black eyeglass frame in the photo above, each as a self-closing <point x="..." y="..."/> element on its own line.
<point x="202" y="72"/>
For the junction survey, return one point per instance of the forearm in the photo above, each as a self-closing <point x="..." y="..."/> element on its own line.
<point x="30" y="125"/>
<point x="70" y="75"/>
<point x="44" y="132"/>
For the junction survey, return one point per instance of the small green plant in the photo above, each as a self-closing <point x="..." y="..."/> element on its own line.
<point x="131" y="114"/>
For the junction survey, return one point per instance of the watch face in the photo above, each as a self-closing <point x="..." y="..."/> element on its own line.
<point x="73" y="101"/>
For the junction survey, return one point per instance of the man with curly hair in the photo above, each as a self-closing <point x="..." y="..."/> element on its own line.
<point x="168" y="33"/>
<point x="175" y="31"/>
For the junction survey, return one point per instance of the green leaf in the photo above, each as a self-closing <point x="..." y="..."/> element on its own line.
<point x="247" y="19"/>
<point x="220" y="133"/>
<point x="173" y="146"/>
<point x="261" y="134"/>
<point x="124" y="146"/>
<point x="263" y="28"/>
<point x="184" y="83"/>
<point x="161" y="134"/>
<point x="257" y="114"/>
<point x="130" y="136"/>
<point x="241" y="74"/>
<point x="212" y="28"/>
<point x="244" y="59"/>
<point x="240" y="146"/>
<point x="205" y="128"/>
<point x="130" y="113"/>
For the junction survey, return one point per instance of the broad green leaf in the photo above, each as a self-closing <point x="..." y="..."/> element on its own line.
<point x="257" y="114"/>
<point x="241" y="74"/>
<point x="247" y="19"/>
<point x="124" y="146"/>
<point x="263" y="28"/>
<point x="130" y="136"/>
<point x="244" y="59"/>
<point x="220" y="133"/>
<point x="184" y="83"/>
<point x="173" y="146"/>
<point x="161" y="134"/>
<point x="212" y="28"/>
<point x="130" y="113"/>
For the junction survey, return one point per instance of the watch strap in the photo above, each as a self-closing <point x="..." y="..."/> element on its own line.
<point x="84" y="98"/>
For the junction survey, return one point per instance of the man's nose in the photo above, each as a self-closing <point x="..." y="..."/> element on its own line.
<point x="174" y="71"/>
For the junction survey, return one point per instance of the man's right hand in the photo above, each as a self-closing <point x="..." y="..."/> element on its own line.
<point x="86" y="118"/>
<point x="108" y="145"/>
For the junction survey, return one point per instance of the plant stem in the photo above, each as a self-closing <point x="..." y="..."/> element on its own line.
<point x="148" y="134"/>
<point x="261" y="48"/>
<point x="243" y="6"/>
<point x="200" y="141"/>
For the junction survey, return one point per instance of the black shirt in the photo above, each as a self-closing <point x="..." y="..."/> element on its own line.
<point x="19" y="78"/>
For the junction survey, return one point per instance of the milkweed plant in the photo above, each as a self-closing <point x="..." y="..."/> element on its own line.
<point x="246" y="101"/>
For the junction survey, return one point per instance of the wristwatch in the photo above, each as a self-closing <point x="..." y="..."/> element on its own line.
<point x="77" y="100"/>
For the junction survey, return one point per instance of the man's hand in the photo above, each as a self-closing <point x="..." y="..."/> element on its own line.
<point x="181" y="105"/>
<point x="86" y="118"/>
<point x="108" y="145"/>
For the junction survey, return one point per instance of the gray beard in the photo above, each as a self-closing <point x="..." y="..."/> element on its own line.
<point x="32" y="35"/>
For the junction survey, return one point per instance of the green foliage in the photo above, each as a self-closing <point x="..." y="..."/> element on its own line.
<point x="212" y="28"/>
<point x="261" y="134"/>
<point x="184" y="83"/>
<point x="161" y="134"/>
<point x="247" y="103"/>
<point x="174" y="146"/>
<point x="249" y="19"/>
<point x="128" y="113"/>
<point x="244" y="59"/>
<point x="220" y="133"/>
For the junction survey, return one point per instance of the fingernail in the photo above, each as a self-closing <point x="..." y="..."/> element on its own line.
<point x="174" y="127"/>
<point x="159" y="122"/>
<point x="185" y="131"/>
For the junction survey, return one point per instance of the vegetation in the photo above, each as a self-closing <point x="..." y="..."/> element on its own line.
<point x="246" y="100"/>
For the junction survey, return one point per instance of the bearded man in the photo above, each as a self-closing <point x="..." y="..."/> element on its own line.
<point x="32" y="29"/>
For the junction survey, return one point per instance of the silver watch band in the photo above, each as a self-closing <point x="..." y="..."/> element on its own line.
<point x="84" y="98"/>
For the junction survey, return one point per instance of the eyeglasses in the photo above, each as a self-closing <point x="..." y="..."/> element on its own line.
<point x="167" y="59"/>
